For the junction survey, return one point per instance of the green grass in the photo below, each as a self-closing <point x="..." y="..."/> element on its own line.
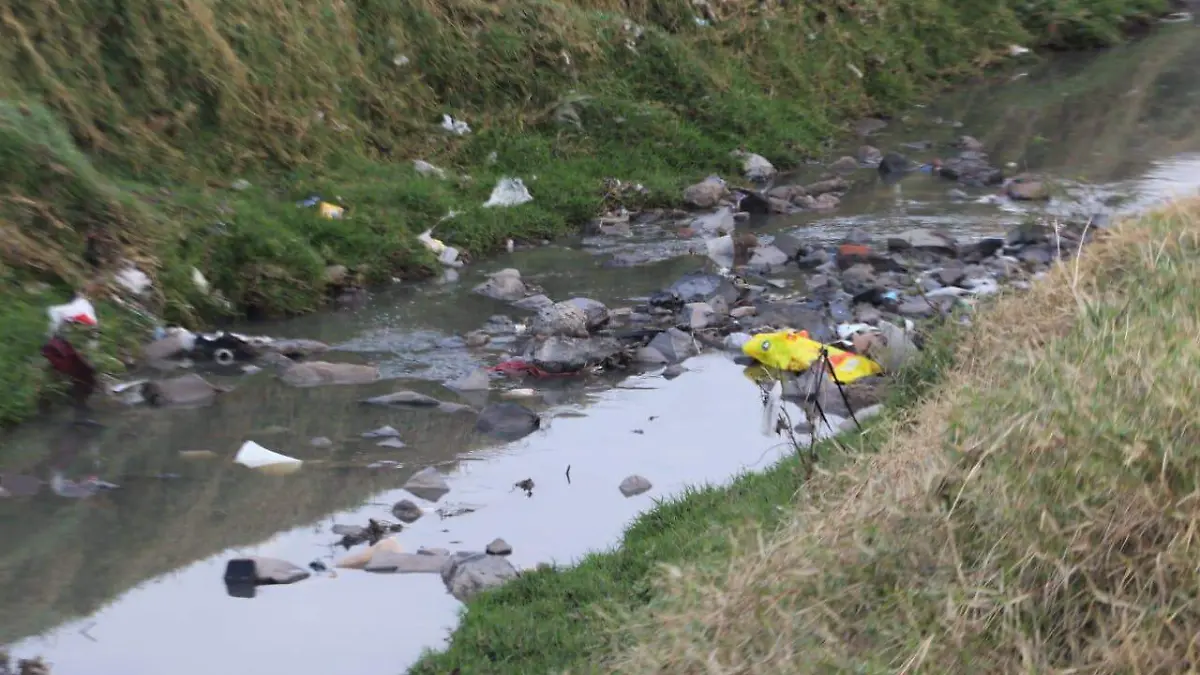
<point x="127" y="123"/>
<point x="571" y="619"/>
<point x="1038" y="514"/>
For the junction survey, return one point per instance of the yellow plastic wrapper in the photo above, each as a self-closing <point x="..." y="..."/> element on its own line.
<point x="331" y="211"/>
<point x="795" y="351"/>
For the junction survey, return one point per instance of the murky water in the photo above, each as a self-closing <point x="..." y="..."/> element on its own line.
<point x="129" y="582"/>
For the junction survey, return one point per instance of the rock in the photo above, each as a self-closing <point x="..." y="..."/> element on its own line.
<point x="916" y="307"/>
<point x="752" y="203"/>
<point x="781" y="315"/>
<point x="560" y="354"/>
<point x="317" y="373"/>
<point x="699" y="315"/>
<point x="533" y="303"/>
<point x="970" y="170"/>
<point x="790" y="244"/>
<point x="649" y="356"/>
<point x="860" y="280"/>
<point x="394" y="443"/>
<point x="296" y="348"/>
<point x="836" y="184"/>
<point x="427" y="484"/>
<point x="275" y="571"/>
<point x="321" y="442"/>
<point x="787" y="193"/>
<point x="844" y="164"/>
<point x="755" y="167"/>
<point x="868" y="126"/>
<point x="406" y="511"/>
<point x="404" y="398"/>
<point x="979" y="250"/>
<point x="563" y="319"/>
<point x="743" y="312"/>
<point x="360" y="559"/>
<point x="969" y="143"/>
<point x="706" y="194"/>
<point x="891" y="348"/>
<point x="634" y="485"/>
<point x="477" y="380"/>
<point x="826" y="202"/>
<point x="894" y="163"/>
<point x="397" y="562"/>
<point x="951" y="274"/>
<point x="468" y="574"/>
<point x="507" y="421"/>
<point x="596" y="312"/>
<point x="476" y="338"/>
<point x="702" y="287"/>
<point x="768" y="257"/>
<point x="504" y="285"/>
<point x="1027" y="189"/>
<point x="498" y="547"/>
<point x="923" y="240"/>
<point x="185" y="390"/>
<point x="1036" y="255"/>
<point x="674" y="345"/>
<point x="869" y="155"/>
<point x="382" y="432"/>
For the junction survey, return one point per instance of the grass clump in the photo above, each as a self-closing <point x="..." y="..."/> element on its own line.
<point x="1037" y="515"/>
<point x="562" y="620"/>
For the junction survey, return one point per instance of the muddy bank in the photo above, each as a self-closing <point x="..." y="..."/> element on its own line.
<point x="185" y="510"/>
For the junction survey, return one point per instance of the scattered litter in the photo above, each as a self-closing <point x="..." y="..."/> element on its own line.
<point x="255" y="456"/>
<point x="794" y="351"/>
<point x="79" y="310"/>
<point x="199" y="280"/>
<point x="846" y="330"/>
<point x="456" y="127"/>
<point x="133" y="280"/>
<point x="430" y="243"/>
<point x="1017" y="50"/>
<point x="240" y="184"/>
<point x="509" y="192"/>
<point x="400" y="60"/>
<point x="520" y="393"/>
<point x="426" y="169"/>
<point x="772" y="408"/>
<point x="330" y="211"/>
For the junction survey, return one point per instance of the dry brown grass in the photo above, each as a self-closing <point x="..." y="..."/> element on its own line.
<point x="1039" y="515"/>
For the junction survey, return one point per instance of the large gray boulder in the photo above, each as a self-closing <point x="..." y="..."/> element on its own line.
<point x="468" y="574"/>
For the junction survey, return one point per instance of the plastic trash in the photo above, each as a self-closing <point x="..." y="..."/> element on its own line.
<point x="846" y="330"/>
<point x="79" y="310"/>
<point x="330" y="211"/>
<point x="794" y="351"/>
<point x="456" y="127"/>
<point x="255" y="456"/>
<point x="509" y="192"/>
<point x="430" y="243"/>
<point x="772" y="408"/>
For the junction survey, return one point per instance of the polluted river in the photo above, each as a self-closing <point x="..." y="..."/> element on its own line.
<point x="130" y="580"/>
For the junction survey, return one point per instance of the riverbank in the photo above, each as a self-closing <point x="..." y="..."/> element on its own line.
<point x="1016" y="516"/>
<point x="184" y="150"/>
<point x="939" y="505"/>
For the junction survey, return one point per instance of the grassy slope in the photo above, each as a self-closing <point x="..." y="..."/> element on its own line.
<point x="1037" y="515"/>
<point x="127" y="123"/>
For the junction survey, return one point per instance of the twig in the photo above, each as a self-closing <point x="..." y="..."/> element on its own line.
<point x="568" y="474"/>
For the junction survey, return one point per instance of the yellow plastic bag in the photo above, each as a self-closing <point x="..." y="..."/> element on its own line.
<point x="795" y="351"/>
<point x="331" y="211"/>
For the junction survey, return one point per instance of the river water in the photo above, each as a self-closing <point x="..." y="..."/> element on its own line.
<point x="129" y="582"/>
